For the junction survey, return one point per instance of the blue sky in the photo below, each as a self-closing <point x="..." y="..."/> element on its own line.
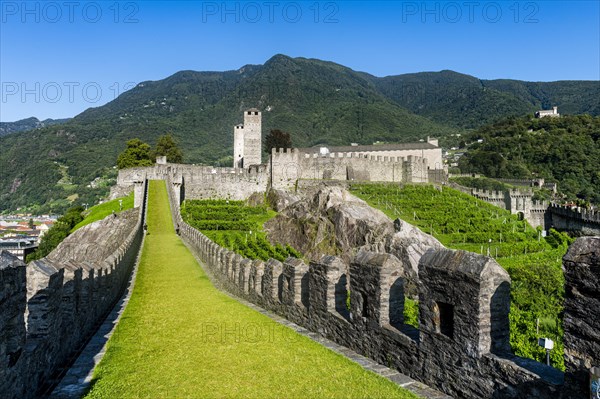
<point x="59" y="58"/>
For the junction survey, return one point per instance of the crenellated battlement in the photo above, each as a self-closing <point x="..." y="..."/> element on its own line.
<point x="583" y="214"/>
<point x="202" y="181"/>
<point x="291" y="165"/>
<point x="56" y="302"/>
<point x="539" y="206"/>
<point x="517" y="192"/>
<point x="488" y="194"/>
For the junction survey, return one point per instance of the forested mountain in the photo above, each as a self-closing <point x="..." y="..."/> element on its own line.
<point x="464" y="101"/>
<point x="565" y="150"/>
<point x="315" y="101"/>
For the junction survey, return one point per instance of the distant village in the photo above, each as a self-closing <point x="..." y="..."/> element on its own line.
<point x="21" y="234"/>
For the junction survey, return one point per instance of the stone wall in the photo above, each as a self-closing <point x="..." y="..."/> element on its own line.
<point x="202" y="181"/>
<point x="287" y="166"/>
<point x="573" y="219"/>
<point x="462" y="345"/>
<point x="515" y="200"/>
<point x="539" y="213"/>
<point x="50" y="308"/>
<point x="582" y="313"/>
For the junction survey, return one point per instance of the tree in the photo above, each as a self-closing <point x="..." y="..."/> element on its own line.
<point x="277" y="139"/>
<point x="166" y="145"/>
<point x="137" y="153"/>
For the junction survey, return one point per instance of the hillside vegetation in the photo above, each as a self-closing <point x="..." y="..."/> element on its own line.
<point x="315" y="101"/>
<point x="461" y="221"/>
<point x="27" y="124"/>
<point x="100" y="211"/>
<point x="565" y="150"/>
<point x="465" y="101"/>
<point x="236" y="226"/>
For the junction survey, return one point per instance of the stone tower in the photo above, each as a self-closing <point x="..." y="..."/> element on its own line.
<point x="519" y="202"/>
<point x="247" y="140"/>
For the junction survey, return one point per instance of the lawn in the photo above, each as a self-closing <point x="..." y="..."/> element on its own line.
<point x="100" y="211"/>
<point x="180" y="337"/>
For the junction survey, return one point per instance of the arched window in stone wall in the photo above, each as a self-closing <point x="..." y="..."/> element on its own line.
<point x="281" y="281"/>
<point x="392" y="282"/>
<point x="364" y="306"/>
<point x="337" y="287"/>
<point x="304" y="291"/>
<point x="341" y="296"/>
<point x="443" y="318"/>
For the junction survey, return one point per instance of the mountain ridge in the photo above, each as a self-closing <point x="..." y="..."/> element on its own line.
<point x="28" y="124"/>
<point x="318" y="102"/>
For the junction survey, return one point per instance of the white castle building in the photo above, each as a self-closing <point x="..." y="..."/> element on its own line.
<point x="547" y="112"/>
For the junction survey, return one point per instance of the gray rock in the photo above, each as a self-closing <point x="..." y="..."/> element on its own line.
<point x="280" y="199"/>
<point x="331" y="221"/>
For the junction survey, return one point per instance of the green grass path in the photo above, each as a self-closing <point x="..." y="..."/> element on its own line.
<point x="180" y="337"/>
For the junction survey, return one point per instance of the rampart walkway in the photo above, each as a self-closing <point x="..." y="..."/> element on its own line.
<point x="181" y="337"/>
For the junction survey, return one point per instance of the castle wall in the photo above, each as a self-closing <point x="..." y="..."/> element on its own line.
<point x="50" y="308"/>
<point x="286" y="169"/>
<point x="516" y="201"/>
<point x="289" y="165"/>
<point x="433" y="155"/>
<point x="201" y="182"/>
<point x="565" y="218"/>
<point x="462" y="344"/>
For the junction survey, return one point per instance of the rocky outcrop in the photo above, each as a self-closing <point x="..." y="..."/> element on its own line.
<point x="280" y="199"/>
<point x="331" y="221"/>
